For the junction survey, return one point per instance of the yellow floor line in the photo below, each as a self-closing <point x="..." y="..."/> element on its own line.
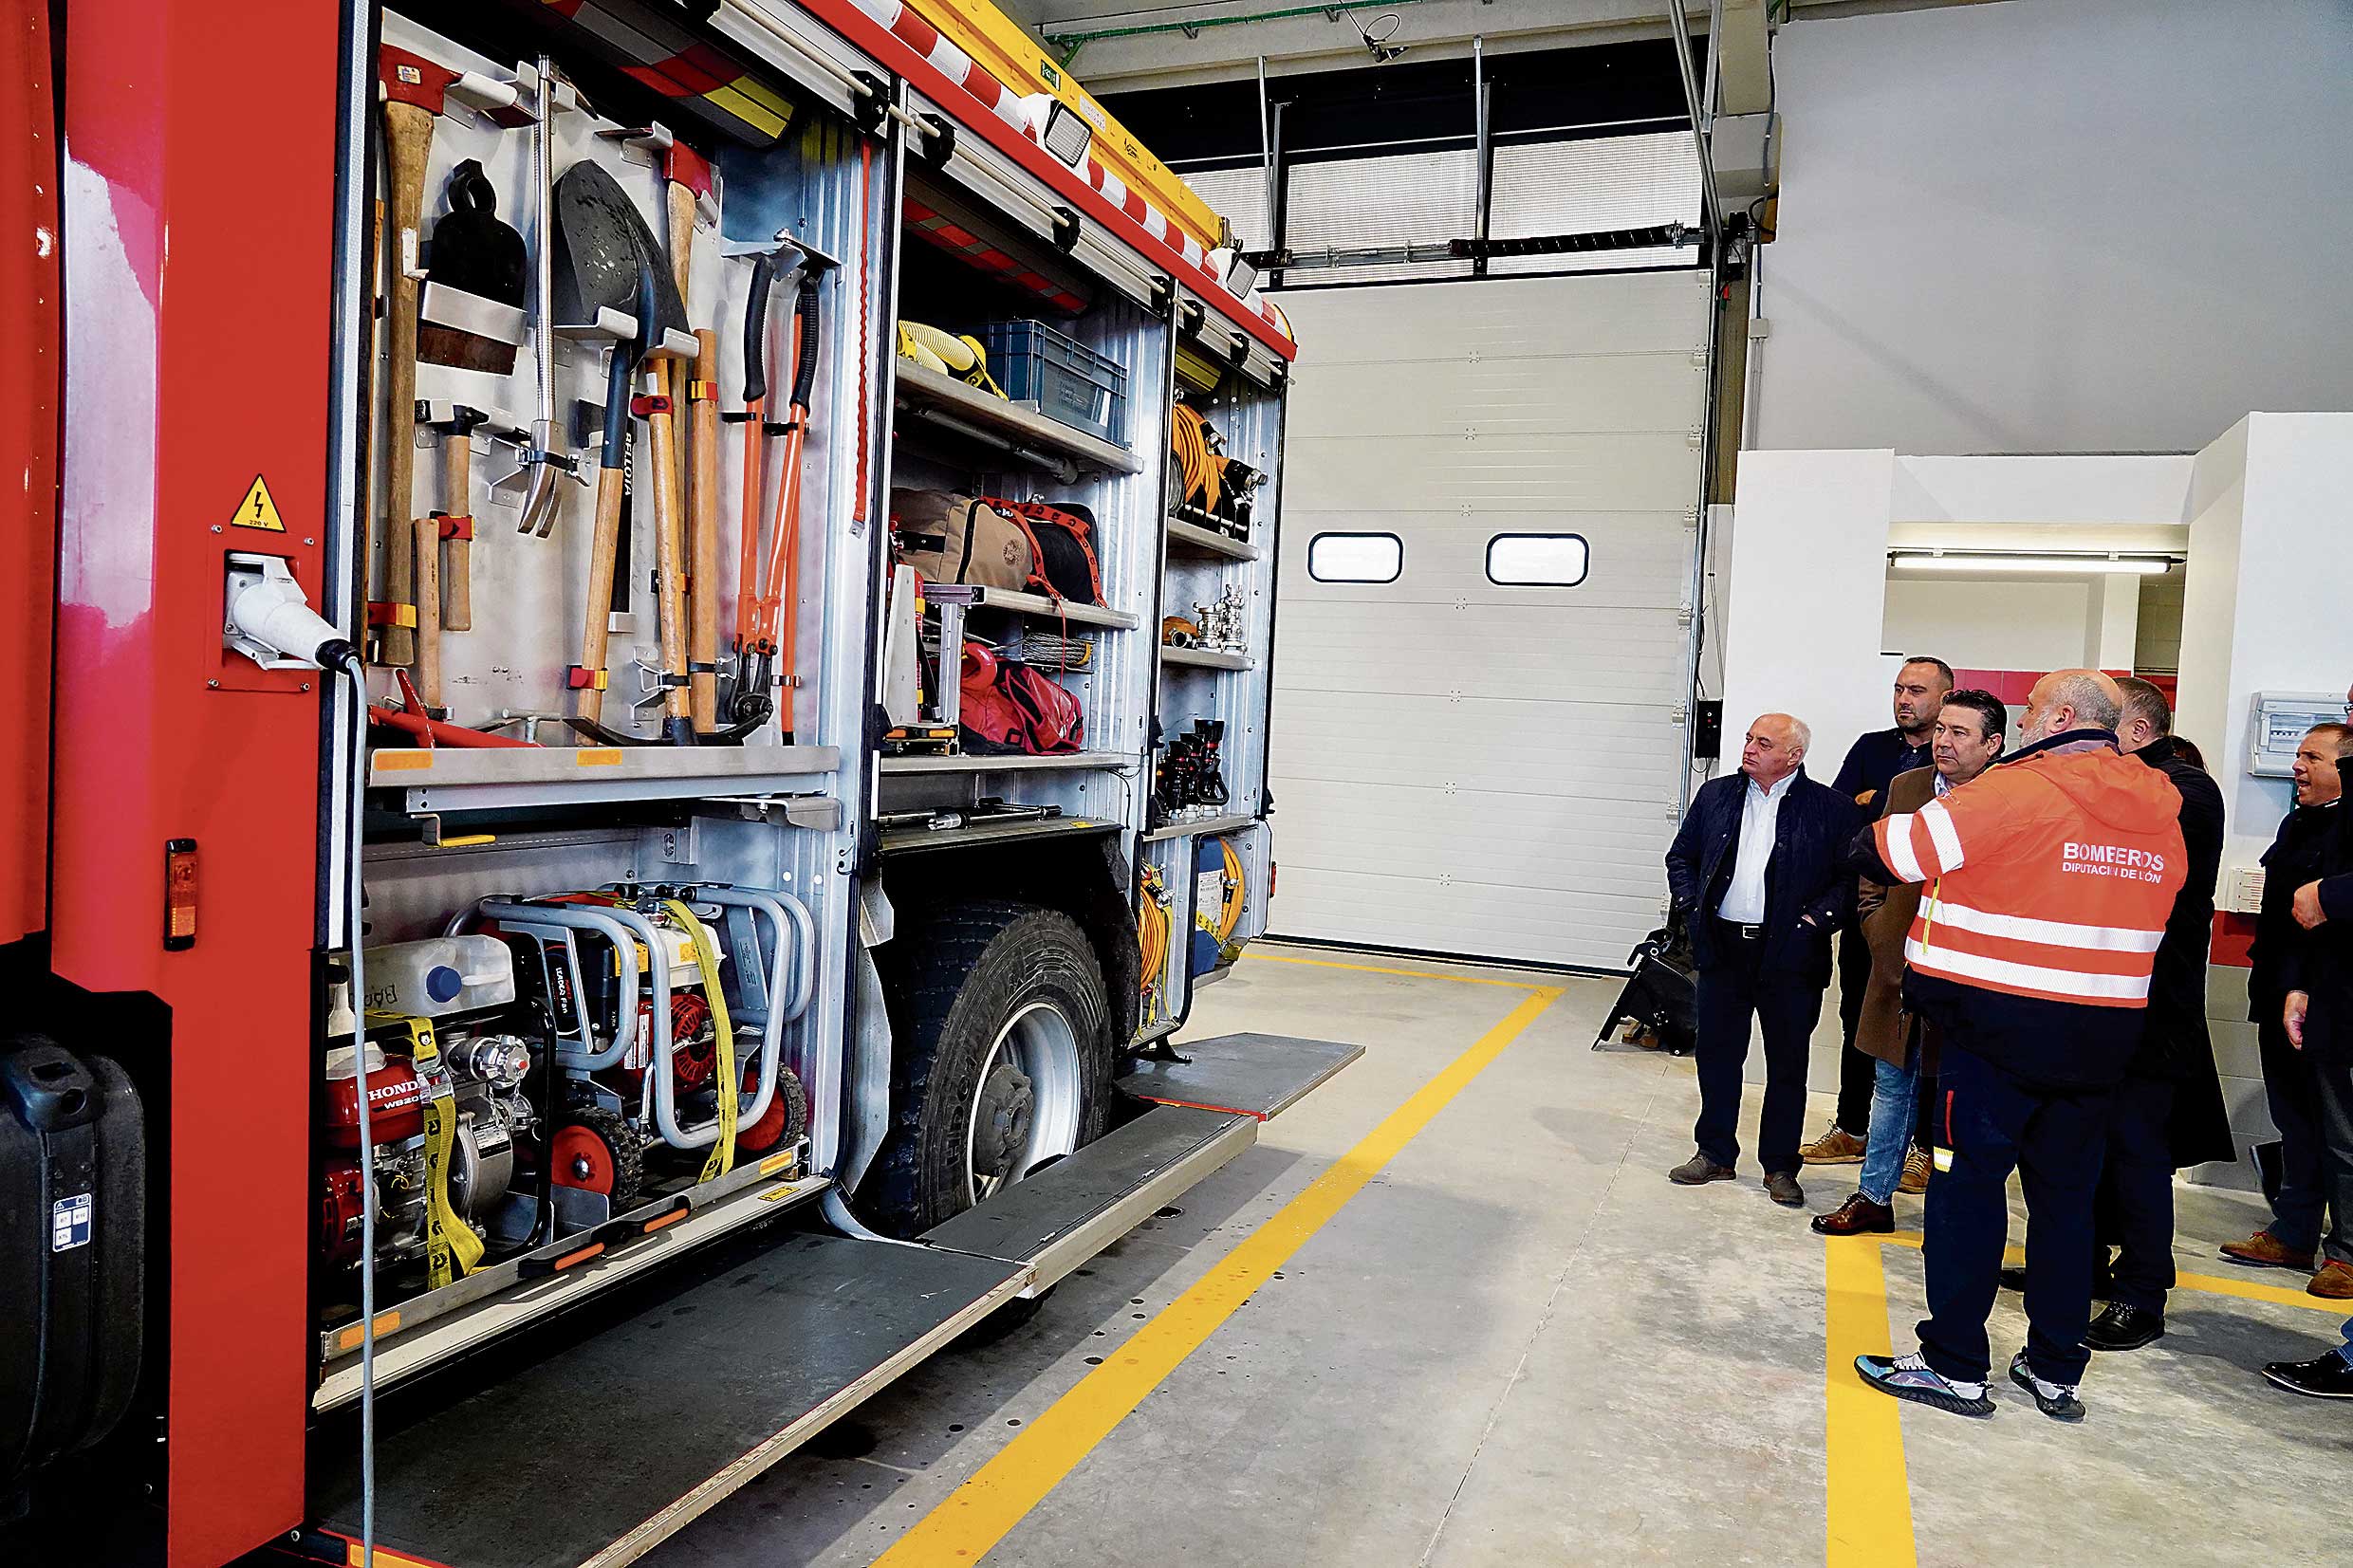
<point x="2212" y="1285"/>
<point x="1410" y="975"/>
<point x="2216" y="1284"/>
<point x="978" y="1515"/>
<point x="1869" y="1504"/>
<point x="1870" y="1519"/>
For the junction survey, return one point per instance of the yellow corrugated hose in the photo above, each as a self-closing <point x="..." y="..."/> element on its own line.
<point x="722" y="1158"/>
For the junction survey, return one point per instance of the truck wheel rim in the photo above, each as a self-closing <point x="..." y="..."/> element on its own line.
<point x="1025" y="1109"/>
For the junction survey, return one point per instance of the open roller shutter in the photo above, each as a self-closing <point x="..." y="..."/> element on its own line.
<point x="1464" y="765"/>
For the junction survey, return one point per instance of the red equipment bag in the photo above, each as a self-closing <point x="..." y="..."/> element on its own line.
<point x="1012" y="708"/>
<point x="1062" y="539"/>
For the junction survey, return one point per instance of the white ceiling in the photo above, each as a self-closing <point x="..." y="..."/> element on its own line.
<point x="1429" y="29"/>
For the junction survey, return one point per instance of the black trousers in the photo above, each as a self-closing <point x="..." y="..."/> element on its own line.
<point x="1992" y="1122"/>
<point x="1858" y="1070"/>
<point x="1786" y="1005"/>
<point x="2292" y="1090"/>
<point x="2135" y="1209"/>
<point x="2335" y="1079"/>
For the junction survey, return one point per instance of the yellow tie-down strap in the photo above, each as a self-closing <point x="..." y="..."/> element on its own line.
<point x="722" y="1158"/>
<point x="451" y="1249"/>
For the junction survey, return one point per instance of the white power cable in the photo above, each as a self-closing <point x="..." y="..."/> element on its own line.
<point x="350" y="667"/>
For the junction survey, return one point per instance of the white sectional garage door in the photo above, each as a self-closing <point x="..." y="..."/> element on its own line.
<point x="1461" y="765"/>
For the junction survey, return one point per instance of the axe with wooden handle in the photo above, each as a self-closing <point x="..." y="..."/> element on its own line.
<point x="702" y="643"/>
<point x="414" y="95"/>
<point x="689" y="189"/>
<point x="687" y="185"/>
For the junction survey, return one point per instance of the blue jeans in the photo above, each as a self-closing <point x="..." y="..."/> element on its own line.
<point x="1892" y="1092"/>
<point x="2345" y="1350"/>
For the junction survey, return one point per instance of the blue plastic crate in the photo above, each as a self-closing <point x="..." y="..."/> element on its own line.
<point x="1061" y="379"/>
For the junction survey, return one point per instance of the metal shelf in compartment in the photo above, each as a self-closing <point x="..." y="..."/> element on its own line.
<point x="917" y="839"/>
<point x="964" y="409"/>
<point x="1206" y="658"/>
<point x="1115" y="761"/>
<point x="1035" y="605"/>
<point x="1184" y="537"/>
<point x="440" y="779"/>
<point x="1201" y="827"/>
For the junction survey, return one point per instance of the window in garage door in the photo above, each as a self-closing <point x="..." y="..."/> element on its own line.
<point x="1483" y="755"/>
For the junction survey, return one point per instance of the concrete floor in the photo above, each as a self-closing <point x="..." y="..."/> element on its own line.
<point x="1518" y="1344"/>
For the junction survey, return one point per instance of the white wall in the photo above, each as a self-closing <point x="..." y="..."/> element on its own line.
<point x="2157" y="636"/>
<point x="1808" y="606"/>
<point x="2014" y="622"/>
<point x="2267" y="598"/>
<point x="2038" y="227"/>
<point x="1801" y="609"/>
<point x="1989" y="624"/>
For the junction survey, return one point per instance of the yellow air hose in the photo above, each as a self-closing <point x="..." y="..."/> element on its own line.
<point x="722" y="1158"/>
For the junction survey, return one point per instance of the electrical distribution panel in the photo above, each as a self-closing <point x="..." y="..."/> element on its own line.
<point x="2279" y="721"/>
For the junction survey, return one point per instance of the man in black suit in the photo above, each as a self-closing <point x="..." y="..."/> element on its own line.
<point x="2169" y="1112"/>
<point x="2290" y="1086"/>
<point x="1756" y="869"/>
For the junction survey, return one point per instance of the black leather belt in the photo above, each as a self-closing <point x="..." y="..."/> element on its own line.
<point x="1746" y="933"/>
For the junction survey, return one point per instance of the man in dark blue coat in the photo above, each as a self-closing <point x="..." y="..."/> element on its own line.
<point x="1756" y="871"/>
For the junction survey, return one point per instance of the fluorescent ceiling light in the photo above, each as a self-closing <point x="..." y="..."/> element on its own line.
<point x="2069" y="566"/>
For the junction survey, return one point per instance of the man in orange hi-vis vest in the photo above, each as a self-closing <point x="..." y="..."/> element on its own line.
<point x="2050" y="880"/>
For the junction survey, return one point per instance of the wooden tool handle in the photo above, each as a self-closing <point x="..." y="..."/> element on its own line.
<point x="702" y="491"/>
<point x="408" y="143"/>
<point x="669" y="564"/>
<point x="681" y="233"/>
<point x="458" y="553"/>
<point x="596" y="626"/>
<point x="371" y="460"/>
<point x="681" y="213"/>
<point x="425" y="535"/>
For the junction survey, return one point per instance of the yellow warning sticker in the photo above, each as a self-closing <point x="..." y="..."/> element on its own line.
<point x="257" y="511"/>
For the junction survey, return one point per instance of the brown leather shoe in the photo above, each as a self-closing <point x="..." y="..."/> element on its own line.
<point x="2334" y="1282"/>
<point x="1915" y="1178"/>
<point x="2264" y="1250"/>
<point x="1857" y="1216"/>
<point x="1699" y="1171"/>
<point x="1835" y="1147"/>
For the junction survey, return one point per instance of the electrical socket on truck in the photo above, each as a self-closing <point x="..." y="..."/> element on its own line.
<point x="267" y="617"/>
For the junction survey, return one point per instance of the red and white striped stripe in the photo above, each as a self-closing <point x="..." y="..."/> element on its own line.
<point x="902" y="22"/>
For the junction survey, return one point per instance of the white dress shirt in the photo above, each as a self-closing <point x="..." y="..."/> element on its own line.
<point x="1760" y="812"/>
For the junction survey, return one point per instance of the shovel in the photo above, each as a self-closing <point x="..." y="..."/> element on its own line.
<point x="606" y="259"/>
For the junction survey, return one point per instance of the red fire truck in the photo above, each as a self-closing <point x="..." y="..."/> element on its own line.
<point x="636" y="666"/>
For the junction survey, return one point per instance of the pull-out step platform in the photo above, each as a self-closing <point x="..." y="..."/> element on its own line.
<point x="1065" y="1214"/>
<point x="612" y="1436"/>
<point x="1250" y="1074"/>
<point x="615" y="1442"/>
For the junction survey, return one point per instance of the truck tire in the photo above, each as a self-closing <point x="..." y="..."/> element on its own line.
<point x="1002" y="1060"/>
